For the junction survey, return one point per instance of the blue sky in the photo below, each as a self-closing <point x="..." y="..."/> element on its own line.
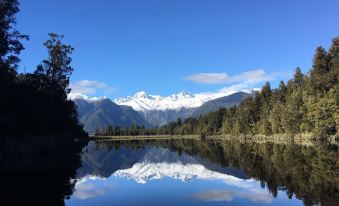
<point x="167" y="46"/>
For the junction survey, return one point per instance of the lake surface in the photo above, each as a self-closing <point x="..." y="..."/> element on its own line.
<point x="194" y="172"/>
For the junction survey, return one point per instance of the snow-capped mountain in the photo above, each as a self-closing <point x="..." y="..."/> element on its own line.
<point x="148" y="163"/>
<point x="105" y="164"/>
<point x="158" y="110"/>
<point x="142" y="172"/>
<point x="76" y="96"/>
<point x="100" y="112"/>
<point x="142" y="101"/>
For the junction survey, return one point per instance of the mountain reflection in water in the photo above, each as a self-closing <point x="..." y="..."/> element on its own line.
<point x="192" y="172"/>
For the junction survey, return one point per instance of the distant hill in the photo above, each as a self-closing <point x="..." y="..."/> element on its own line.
<point x="215" y="104"/>
<point x="100" y="113"/>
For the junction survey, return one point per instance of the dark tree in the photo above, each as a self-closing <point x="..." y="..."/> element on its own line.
<point x="56" y="69"/>
<point x="10" y="46"/>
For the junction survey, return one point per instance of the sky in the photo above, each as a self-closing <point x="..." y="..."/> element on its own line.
<point x="168" y="46"/>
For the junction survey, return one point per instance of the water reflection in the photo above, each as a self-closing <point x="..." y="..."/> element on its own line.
<point x="38" y="170"/>
<point x="224" y="195"/>
<point x="181" y="172"/>
<point x="86" y="190"/>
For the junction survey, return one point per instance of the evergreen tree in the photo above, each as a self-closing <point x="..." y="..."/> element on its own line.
<point x="323" y="113"/>
<point x="320" y="78"/>
<point x="282" y="92"/>
<point x="117" y="131"/>
<point x="333" y="55"/>
<point x="264" y="124"/>
<point x="298" y="78"/>
<point x="109" y="130"/>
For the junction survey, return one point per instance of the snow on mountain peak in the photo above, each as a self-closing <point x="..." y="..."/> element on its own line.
<point x="74" y="96"/>
<point x="142" y="172"/>
<point x="142" y="94"/>
<point x="185" y="94"/>
<point x="142" y="101"/>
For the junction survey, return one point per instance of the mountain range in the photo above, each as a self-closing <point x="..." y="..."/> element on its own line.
<point x="119" y="162"/>
<point x="149" y="110"/>
<point x="96" y="113"/>
<point x="144" y="164"/>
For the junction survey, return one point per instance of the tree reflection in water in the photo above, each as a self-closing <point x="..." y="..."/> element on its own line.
<point x="311" y="173"/>
<point x="38" y="170"/>
<point x="36" y="175"/>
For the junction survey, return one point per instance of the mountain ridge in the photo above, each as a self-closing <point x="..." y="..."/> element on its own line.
<point x="100" y="113"/>
<point x="150" y="110"/>
<point x="149" y="163"/>
<point x="141" y="101"/>
<point x="225" y="102"/>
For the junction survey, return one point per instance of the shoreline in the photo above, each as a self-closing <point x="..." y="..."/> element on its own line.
<point x="302" y="139"/>
<point x="145" y="137"/>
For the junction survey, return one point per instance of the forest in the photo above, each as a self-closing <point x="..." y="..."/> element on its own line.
<point x="306" y="104"/>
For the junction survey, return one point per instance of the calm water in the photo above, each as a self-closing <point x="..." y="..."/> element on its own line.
<point x="191" y="172"/>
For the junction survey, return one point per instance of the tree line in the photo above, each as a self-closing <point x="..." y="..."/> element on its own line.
<point x="34" y="103"/>
<point x="307" y="103"/>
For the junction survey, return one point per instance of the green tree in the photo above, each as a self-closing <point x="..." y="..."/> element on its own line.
<point x="265" y="109"/>
<point x="323" y="113"/>
<point x="293" y="115"/>
<point x="333" y="55"/>
<point x="298" y="78"/>
<point x="320" y="77"/>
<point x="109" y="130"/>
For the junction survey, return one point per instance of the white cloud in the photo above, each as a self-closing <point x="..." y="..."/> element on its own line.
<point x="244" y="87"/>
<point x="209" y="78"/>
<point x="253" y="76"/>
<point x="234" y="87"/>
<point x="88" y="190"/>
<point x="90" y="87"/>
<point x="224" y="195"/>
<point x="248" y="77"/>
<point x="245" y="81"/>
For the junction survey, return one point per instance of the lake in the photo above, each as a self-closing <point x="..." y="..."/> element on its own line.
<point x="209" y="172"/>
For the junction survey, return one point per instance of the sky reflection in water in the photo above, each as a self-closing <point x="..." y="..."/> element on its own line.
<point x="154" y="175"/>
